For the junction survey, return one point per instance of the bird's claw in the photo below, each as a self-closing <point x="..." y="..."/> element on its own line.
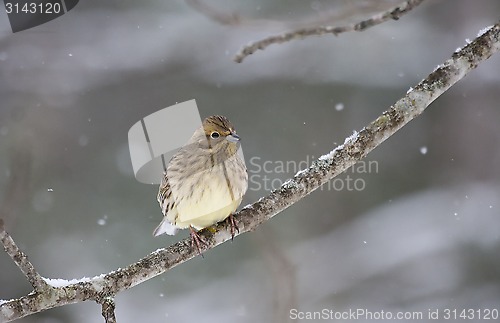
<point x="233" y="223"/>
<point x="197" y="241"/>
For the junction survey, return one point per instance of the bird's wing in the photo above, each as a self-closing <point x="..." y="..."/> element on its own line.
<point x="164" y="191"/>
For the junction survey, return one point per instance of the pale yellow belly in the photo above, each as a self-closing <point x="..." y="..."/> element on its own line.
<point x="207" y="206"/>
<point x="206" y="197"/>
<point x="197" y="217"/>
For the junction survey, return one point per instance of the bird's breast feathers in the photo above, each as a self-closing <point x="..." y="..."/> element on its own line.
<point x="206" y="196"/>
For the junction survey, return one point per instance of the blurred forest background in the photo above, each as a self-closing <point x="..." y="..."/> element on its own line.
<point x="422" y="232"/>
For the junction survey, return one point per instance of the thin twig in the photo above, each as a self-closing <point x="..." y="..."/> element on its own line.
<point x="233" y="19"/>
<point x="394" y="13"/>
<point x="21" y="260"/>
<point x="250" y="217"/>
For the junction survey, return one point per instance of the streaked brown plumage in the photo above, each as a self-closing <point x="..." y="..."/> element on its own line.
<point x="205" y="180"/>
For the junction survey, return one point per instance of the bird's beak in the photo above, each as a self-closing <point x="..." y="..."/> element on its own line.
<point x="233" y="137"/>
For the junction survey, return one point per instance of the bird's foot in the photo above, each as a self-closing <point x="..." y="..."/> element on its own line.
<point x="233" y="223"/>
<point x="197" y="241"/>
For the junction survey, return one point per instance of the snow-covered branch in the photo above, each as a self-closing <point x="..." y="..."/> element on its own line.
<point x="394" y="14"/>
<point x="101" y="289"/>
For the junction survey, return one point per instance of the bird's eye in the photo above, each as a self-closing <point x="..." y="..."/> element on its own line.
<point x="215" y="135"/>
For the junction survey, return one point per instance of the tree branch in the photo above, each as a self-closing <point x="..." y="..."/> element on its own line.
<point x="108" y="310"/>
<point x="394" y="13"/>
<point x="21" y="260"/>
<point x="357" y="146"/>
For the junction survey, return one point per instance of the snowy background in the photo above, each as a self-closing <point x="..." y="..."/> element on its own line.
<point x="422" y="232"/>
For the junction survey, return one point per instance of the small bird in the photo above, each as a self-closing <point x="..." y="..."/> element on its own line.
<point x="204" y="181"/>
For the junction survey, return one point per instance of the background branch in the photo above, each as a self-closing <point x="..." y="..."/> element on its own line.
<point x="283" y="274"/>
<point x="250" y="217"/>
<point x="326" y="16"/>
<point x="394" y="13"/>
<point x="17" y="187"/>
<point x="224" y="18"/>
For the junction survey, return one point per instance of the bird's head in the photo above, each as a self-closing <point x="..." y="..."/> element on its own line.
<point x="219" y="129"/>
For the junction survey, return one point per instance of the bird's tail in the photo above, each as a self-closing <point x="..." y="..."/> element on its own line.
<point x="165" y="227"/>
